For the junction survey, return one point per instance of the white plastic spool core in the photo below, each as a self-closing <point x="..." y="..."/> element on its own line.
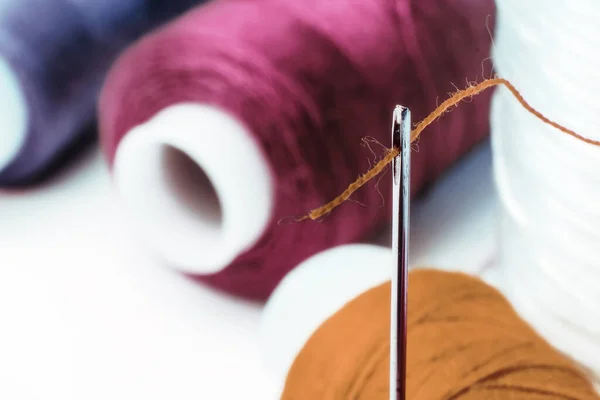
<point x="313" y="292"/>
<point x="197" y="186"/>
<point x="13" y="115"/>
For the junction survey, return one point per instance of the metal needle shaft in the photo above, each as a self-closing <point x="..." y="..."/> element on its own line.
<point x="401" y="129"/>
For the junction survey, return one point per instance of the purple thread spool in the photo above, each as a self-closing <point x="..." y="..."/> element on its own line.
<point x="54" y="55"/>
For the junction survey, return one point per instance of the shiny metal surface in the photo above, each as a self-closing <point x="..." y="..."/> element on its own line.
<point x="401" y="129"/>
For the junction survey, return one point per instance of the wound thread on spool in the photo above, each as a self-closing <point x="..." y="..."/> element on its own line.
<point x="54" y="55"/>
<point x="293" y="98"/>
<point x="548" y="184"/>
<point x="464" y="341"/>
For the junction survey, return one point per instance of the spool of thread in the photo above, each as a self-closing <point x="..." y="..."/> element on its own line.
<point x="254" y="112"/>
<point x="325" y="334"/>
<point x="547" y="182"/>
<point x="54" y="55"/>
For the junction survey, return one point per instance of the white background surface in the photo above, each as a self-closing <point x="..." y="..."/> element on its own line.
<point x="86" y="313"/>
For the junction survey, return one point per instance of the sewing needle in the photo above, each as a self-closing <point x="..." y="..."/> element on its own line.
<point x="401" y="130"/>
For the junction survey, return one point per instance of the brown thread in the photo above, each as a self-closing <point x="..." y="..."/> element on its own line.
<point x="437" y="113"/>
<point x="465" y="342"/>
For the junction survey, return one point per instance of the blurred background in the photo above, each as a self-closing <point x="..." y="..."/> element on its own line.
<point x="155" y="156"/>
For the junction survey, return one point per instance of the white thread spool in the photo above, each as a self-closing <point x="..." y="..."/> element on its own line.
<point x="548" y="181"/>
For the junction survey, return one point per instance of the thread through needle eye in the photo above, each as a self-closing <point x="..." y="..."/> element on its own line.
<point x="401" y="130"/>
